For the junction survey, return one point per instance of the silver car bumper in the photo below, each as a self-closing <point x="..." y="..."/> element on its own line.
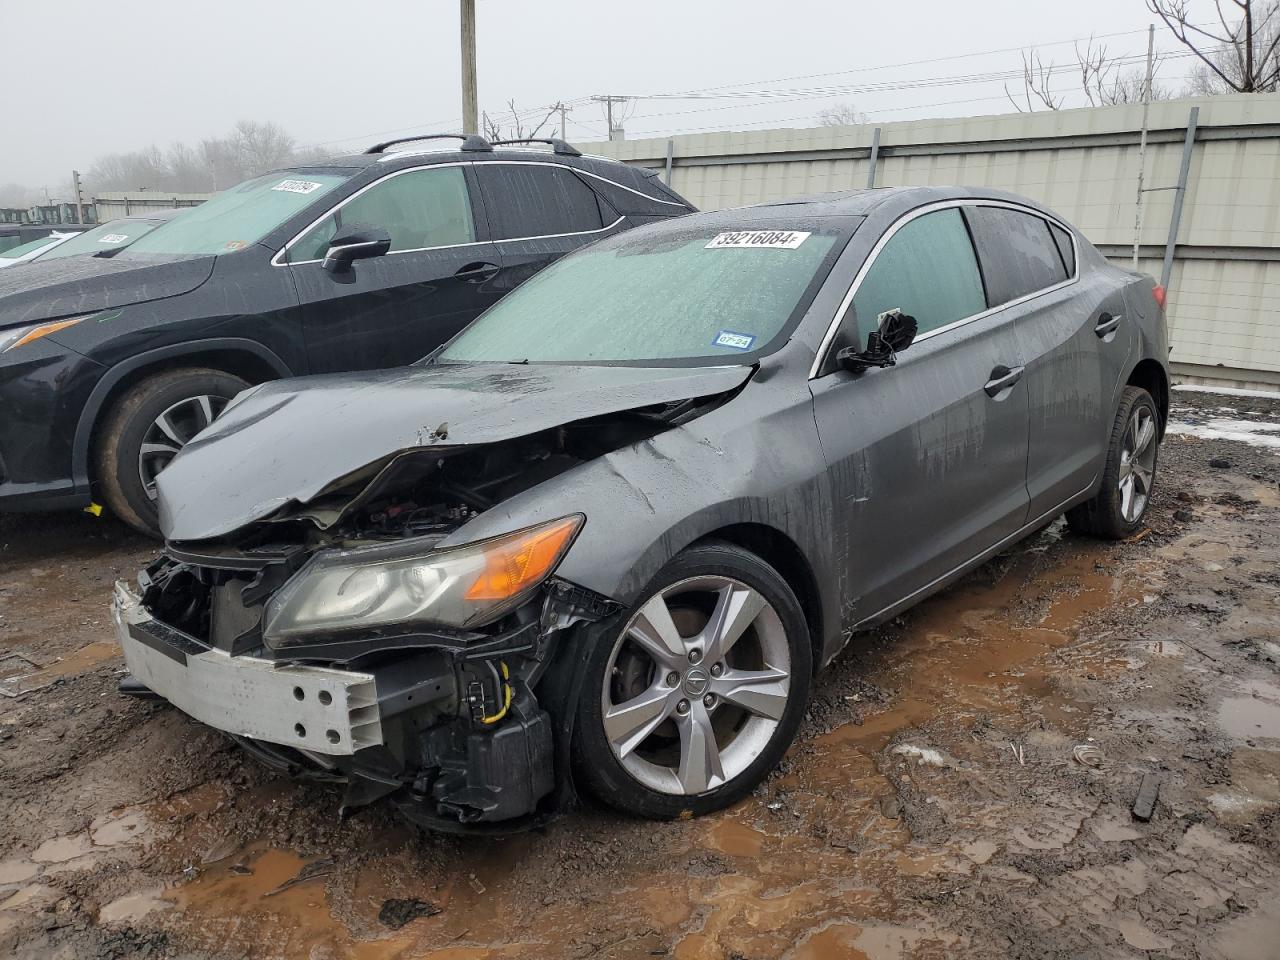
<point x="314" y="709"/>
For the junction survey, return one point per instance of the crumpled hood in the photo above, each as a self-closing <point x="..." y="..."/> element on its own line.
<point x="288" y="440"/>
<point x="47" y="290"/>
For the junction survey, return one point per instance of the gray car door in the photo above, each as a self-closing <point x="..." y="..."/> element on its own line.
<point x="1076" y="340"/>
<point x="927" y="458"/>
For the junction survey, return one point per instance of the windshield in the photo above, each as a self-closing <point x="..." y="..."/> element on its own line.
<point x="109" y="236"/>
<point x="237" y="217"/>
<point x="13" y="253"/>
<point x="694" y="294"/>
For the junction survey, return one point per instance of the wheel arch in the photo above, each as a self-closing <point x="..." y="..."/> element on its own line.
<point x="246" y="359"/>
<point x="784" y="555"/>
<point x="1150" y="375"/>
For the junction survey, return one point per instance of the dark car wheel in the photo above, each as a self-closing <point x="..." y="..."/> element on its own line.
<point x="700" y="693"/>
<point x="1128" y="478"/>
<point x="149" y="424"/>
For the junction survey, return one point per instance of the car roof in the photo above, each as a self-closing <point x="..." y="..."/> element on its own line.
<point x="892" y="200"/>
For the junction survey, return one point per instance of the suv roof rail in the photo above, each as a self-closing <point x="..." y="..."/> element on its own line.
<point x="470" y="142"/>
<point x="557" y="145"/>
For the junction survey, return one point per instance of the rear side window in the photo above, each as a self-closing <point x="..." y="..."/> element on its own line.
<point x="927" y="270"/>
<point x="1019" y="255"/>
<point x="1065" y="247"/>
<point x="528" y="200"/>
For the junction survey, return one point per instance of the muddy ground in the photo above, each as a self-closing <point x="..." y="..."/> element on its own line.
<point x="962" y="785"/>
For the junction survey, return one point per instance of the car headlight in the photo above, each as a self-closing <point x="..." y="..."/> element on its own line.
<point x="399" y="584"/>
<point x="17" y="336"/>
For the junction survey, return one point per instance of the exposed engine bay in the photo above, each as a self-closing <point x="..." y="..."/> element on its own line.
<point x="464" y="724"/>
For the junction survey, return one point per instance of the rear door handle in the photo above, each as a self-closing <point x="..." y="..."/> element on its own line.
<point x="476" y="272"/>
<point x="1107" y="323"/>
<point x="1002" y="378"/>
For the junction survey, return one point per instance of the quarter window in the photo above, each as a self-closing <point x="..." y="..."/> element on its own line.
<point x="1019" y="255"/>
<point x="530" y="200"/>
<point x="421" y="208"/>
<point x="927" y="270"/>
<point x="1065" y="247"/>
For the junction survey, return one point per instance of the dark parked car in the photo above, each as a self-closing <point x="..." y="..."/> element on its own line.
<point x="106" y="239"/>
<point x="608" y="533"/>
<point x="109" y="365"/>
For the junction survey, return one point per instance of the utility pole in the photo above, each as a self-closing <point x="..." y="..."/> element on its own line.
<point x="1142" y="140"/>
<point x="609" y="101"/>
<point x="470" y="98"/>
<point x="77" y="196"/>
<point x="562" y="110"/>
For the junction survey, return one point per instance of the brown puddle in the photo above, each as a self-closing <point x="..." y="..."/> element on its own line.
<point x="24" y="676"/>
<point x="1256" y="715"/>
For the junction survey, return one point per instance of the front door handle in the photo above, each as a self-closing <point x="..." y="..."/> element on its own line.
<point x="1002" y="378"/>
<point x="476" y="272"/>
<point x="1107" y="323"/>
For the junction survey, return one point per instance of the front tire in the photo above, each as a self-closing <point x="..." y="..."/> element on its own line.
<point x="1128" y="476"/>
<point x="697" y="697"/>
<point x="146" y="428"/>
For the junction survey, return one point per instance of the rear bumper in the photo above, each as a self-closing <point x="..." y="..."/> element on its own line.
<point x="312" y="709"/>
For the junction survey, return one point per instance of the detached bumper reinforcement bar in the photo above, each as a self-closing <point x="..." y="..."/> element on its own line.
<point x="317" y="709"/>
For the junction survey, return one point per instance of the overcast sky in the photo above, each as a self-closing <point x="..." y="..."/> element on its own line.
<point x="86" y="77"/>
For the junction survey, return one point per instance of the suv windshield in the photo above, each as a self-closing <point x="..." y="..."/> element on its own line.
<point x="710" y="294"/>
<point x="107" y="236"/>
<point x="237" y="217"/>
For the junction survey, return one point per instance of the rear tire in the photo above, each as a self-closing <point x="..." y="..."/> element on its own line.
<point x="691" y="719"/>
<point x="164" y="412"/>
<point x="1128" y="476"/>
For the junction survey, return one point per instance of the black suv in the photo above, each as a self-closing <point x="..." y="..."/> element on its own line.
<point x="109" y="365"/>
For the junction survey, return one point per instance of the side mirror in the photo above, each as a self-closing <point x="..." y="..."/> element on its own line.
<point x="894" y="333"/>
<point x="356" y="242"/>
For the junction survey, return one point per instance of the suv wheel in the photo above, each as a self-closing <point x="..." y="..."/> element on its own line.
<point x="700" y="693"/>
<point x="1128" y="477"/>
<point x="150" y="423"/>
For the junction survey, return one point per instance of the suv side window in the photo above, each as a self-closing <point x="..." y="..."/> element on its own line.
<point x="530" y="200"/>
<point x="1063" y="239"/>
<point x="928" y="270"/>
<point x="420" y="208"/>
<point x="1018" y="253"/>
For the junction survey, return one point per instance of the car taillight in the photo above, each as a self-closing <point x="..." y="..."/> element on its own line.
<point x="1160" y="295"/>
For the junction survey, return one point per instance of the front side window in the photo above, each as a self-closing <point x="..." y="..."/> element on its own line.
<point x="705" y="295"/>
<point x="238" y="217"/>
<point x="1019" y="255"/>
<point x="928" y="270"/>
<point x="532" y="200"/>
<point x="418" y="209"/>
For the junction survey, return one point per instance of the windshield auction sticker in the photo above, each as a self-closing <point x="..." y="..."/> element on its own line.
<point x="769" y="239"/>
<point x="297" y="186"/>
<point x="735" y="341"/>
<point x="112" y="238"/>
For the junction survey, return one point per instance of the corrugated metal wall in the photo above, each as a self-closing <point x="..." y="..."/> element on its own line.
<point x="111" y="206"/>
<point x="1225" y="285"/>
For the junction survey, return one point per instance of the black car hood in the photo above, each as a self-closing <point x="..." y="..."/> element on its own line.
<point x="287" y="441"/>
<point x="66" y="287"/>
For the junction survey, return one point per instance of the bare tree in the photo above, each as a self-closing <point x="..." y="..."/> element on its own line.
<point x="1238" y="54"/>
<point x="841" y="115"/>
<point x="1036" y="88"/>
<point x="18" y="196"/>
<point x="516" y="130"/>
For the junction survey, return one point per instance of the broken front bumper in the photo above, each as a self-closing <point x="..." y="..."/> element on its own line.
<point x="312" y="709"/>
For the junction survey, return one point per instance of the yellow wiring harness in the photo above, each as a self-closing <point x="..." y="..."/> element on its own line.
<point x="506" y="675"/>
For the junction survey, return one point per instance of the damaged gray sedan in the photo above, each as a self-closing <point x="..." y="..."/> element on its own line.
<point x="603" y="539"/>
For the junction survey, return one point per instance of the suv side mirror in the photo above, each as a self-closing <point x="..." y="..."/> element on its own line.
<point x="895" y="332"/>
<point x="356" y="242"/>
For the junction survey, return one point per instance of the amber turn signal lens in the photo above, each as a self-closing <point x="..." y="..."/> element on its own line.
<point x="514" y="564"/>
<point x="35" y="333"/>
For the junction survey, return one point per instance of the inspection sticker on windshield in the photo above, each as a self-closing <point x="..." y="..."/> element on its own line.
<point x="297" y="186"/>
<point x="735" y="341"/>
<point x="112" y="238"/>
<point x="772" y="239"/>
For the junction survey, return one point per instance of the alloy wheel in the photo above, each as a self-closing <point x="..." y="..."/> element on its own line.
<point x="170" y="432"/>
<point x="696" y="685"/>
<point x="1137" y="463"/>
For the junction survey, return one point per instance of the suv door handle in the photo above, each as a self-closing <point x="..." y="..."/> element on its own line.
<point x="476" y="272"/>
<point x="1002" y="378"/>
<point x="1107" y="323"/>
